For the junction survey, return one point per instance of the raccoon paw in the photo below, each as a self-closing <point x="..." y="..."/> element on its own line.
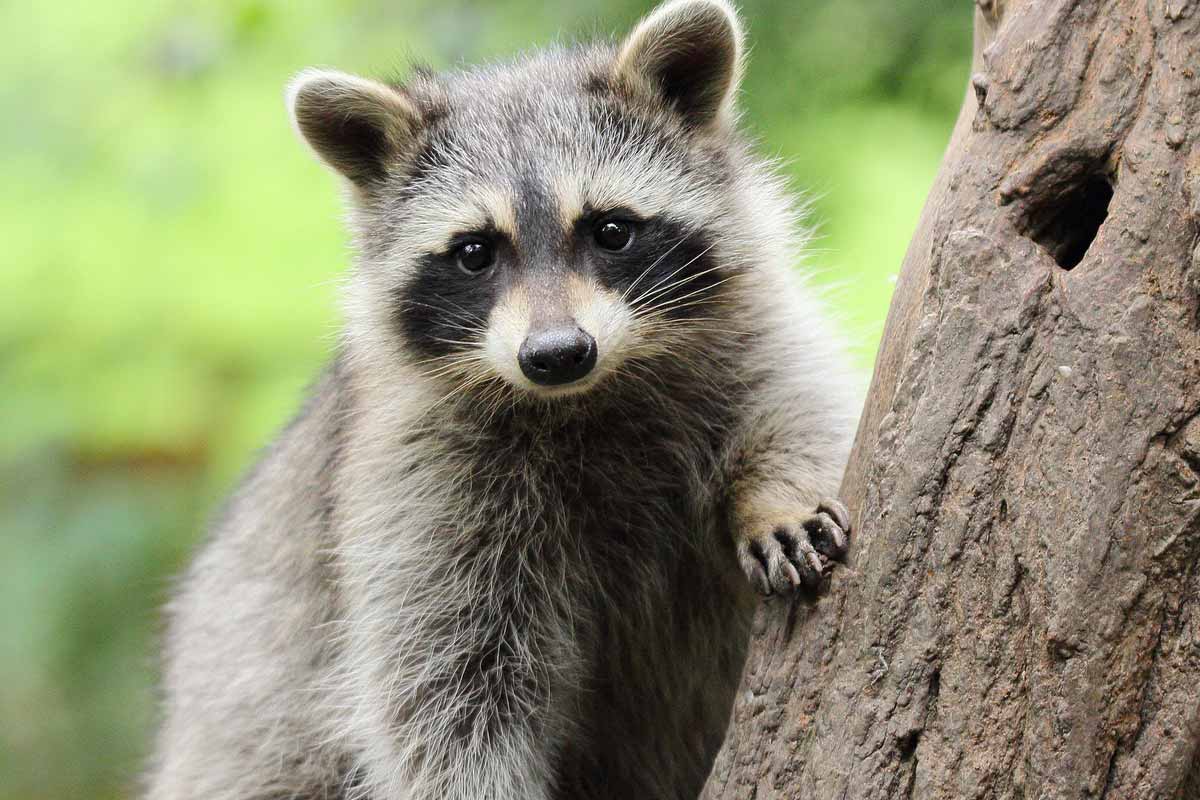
<point x="796" y="553"/>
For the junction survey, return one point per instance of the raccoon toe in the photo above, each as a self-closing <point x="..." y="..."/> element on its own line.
<point x="838" y="512"/>
<point x="755" y="564"/>
<point x="829" y="529"/>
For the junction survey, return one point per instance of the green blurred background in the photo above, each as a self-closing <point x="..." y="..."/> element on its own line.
<point x="168" y="254"/>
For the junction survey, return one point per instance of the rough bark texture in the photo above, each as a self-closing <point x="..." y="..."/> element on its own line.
<point x="1021" y="614"/>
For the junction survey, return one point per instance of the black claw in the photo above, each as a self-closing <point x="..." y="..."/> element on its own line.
<point x="808" y="562"/>
<point x="784" y="575"/>
<point x="762" y="582"/>
<point x="786" y="540"/>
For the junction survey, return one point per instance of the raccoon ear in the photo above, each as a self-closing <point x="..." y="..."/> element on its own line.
<point x="353" y="124"/>
<point x="690" y="52"/>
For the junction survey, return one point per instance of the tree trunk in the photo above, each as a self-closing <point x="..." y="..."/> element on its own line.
<point x="1021" y="614"/>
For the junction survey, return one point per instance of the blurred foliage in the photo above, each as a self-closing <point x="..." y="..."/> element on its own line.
<point x="170" y="256"/>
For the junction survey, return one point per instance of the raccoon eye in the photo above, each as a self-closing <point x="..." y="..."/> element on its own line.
<point x="474" y="257"/>
<point x="613" y="234"/>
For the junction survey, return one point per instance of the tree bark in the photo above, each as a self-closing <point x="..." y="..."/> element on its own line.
<point x="1020" y="617"/>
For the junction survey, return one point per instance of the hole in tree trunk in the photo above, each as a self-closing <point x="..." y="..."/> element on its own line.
<point x="1066" y="227"/>
<point x="907" y="744"/>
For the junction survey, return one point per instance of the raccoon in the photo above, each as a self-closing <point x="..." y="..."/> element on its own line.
<point x="582" y="408"/>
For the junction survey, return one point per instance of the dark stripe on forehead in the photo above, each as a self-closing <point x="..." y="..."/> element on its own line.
<point x="540" y="237"/>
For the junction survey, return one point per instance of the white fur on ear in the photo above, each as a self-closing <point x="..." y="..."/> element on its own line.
<point x="690" y="52"/>
<point x="353" y="124"/>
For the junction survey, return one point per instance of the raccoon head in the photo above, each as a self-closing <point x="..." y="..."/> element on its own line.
<point x="545" y="227"/>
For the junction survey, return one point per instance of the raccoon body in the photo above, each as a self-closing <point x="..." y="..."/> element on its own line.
<point x="580" y="398"/>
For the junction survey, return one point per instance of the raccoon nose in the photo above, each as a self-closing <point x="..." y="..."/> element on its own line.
<point x="554" y="356"/>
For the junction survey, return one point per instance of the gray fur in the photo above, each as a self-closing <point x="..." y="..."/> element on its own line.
<point x="439" y="584"/>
